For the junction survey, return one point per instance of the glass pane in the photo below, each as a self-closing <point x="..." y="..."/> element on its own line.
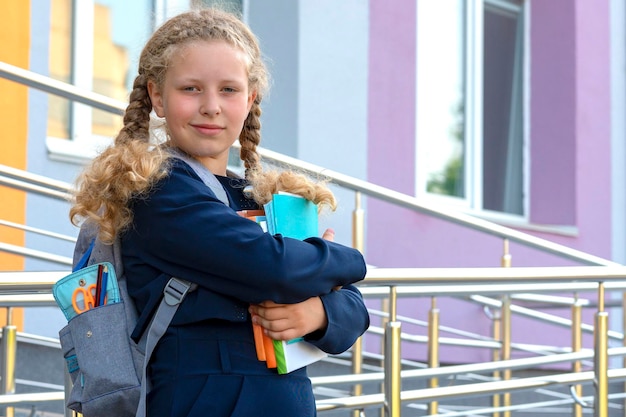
<point x="440" y="96"/>
<point x="502" y="111"/>
<point x="120" y="30"/>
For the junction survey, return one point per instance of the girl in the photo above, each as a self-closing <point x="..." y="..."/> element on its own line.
<point x="202" y="73"/>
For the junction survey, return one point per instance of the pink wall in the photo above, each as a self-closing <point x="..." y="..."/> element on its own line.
<point x="553" y="101"/>
<point x="391" y="118"/>
<point x="570" y="120"/>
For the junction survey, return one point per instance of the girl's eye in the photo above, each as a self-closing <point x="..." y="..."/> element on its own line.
<point x="229" y="90"/>
<point x="190" y="88"/>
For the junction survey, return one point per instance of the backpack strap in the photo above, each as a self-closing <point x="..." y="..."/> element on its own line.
<point x="205" y="175"/>
<point x="173" y="295"/>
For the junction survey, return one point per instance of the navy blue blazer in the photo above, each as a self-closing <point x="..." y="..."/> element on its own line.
<point x="182" y="229"/>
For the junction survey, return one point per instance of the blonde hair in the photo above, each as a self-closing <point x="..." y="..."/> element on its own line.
<point x="132" y="165"/>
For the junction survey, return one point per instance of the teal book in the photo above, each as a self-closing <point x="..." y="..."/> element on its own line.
<point x="291" y="216"/>
<point x="295" y="217"/>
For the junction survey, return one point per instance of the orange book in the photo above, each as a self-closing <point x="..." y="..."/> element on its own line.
<point x="258" y="342"/>
<point x="270" y="355"/>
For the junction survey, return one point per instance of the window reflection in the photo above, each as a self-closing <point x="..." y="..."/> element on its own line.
<point x="440" y="96"/>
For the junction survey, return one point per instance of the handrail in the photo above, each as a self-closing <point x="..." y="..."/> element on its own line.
<point x="36" y="254"/>
<point x="71" y="92"/>
<point x="59" y="88"/>
<point x="546" y="317"/>
<point x="38" y="231"/>
<point x="481" y="388"/>
<point x="35" y="179"/>
<point x="452" y="370"/>
<point x="38" y="184"/>
<point x="493" y="275"/>
<point x="33" y="282"/>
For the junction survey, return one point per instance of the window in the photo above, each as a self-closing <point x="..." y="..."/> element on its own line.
<point x="470" y="104"/>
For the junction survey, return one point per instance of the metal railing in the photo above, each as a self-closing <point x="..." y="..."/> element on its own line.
<point x="418" y="282"/>
<point x="602" y="275"/>
<point x="542" y="279"/>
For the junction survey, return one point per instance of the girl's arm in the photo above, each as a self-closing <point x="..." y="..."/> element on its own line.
<point x="181" y="229"/>
<point x="332" y="322"/>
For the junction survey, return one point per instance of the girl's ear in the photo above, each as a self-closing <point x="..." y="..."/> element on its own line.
<point x="156" y="98"/>
<point x="251" y="99"/>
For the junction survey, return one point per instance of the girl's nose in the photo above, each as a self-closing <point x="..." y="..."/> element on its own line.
<point x="210" y="105"/>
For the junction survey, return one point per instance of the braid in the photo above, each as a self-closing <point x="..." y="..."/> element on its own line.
<point x="250" y="138"/>
<point x="137" y="115"/>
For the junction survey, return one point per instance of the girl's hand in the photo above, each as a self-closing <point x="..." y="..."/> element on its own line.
<point x="289" y="321"/>
<point x="329" y="234"/>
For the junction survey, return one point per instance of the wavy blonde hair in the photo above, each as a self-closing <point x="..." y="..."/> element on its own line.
<point x="133" y="164"/>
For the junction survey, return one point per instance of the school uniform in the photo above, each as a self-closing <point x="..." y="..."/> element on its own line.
<point x="205" y="364"/>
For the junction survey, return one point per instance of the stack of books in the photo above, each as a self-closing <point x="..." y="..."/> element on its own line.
<point x="295" y="217"/>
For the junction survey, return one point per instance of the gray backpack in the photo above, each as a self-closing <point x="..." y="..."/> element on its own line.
<point x="107" y="368"/>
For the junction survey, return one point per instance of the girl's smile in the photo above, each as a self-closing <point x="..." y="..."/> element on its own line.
<point x="208" y="129"/>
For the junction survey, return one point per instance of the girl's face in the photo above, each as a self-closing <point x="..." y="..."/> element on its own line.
<point x="205" y="100"/>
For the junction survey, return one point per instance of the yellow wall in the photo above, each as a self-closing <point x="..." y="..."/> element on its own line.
<point x="15" y="38"/>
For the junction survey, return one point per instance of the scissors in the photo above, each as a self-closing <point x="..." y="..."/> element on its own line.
<point x="84" y="298"/>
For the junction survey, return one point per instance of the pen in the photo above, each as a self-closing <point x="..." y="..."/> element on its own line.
<point x="104" y="283"/>
<point x="99" y="285"/>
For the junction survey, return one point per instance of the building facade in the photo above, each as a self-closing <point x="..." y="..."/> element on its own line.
<point x="508" y="110"/>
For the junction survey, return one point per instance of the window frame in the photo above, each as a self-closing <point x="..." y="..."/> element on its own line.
<point x="473" y="56"/>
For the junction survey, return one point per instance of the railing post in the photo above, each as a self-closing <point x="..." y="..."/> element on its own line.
<point x="506" y="328"/>
<point x="358" y="227"/>
<point x="624" y="343"/>
<point x="357" y="368"/>
<point x="358" y="224"/>
<point x="433" y="350"/>
<point x="506" y="348"/>
<point x="384" y="323"/>
<point x="497" y="336"/>
<point x="601" y="345"/>
<point x="577" y="344"/>
<point x="9" y="348"/>
<point x="393" y="358"/>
